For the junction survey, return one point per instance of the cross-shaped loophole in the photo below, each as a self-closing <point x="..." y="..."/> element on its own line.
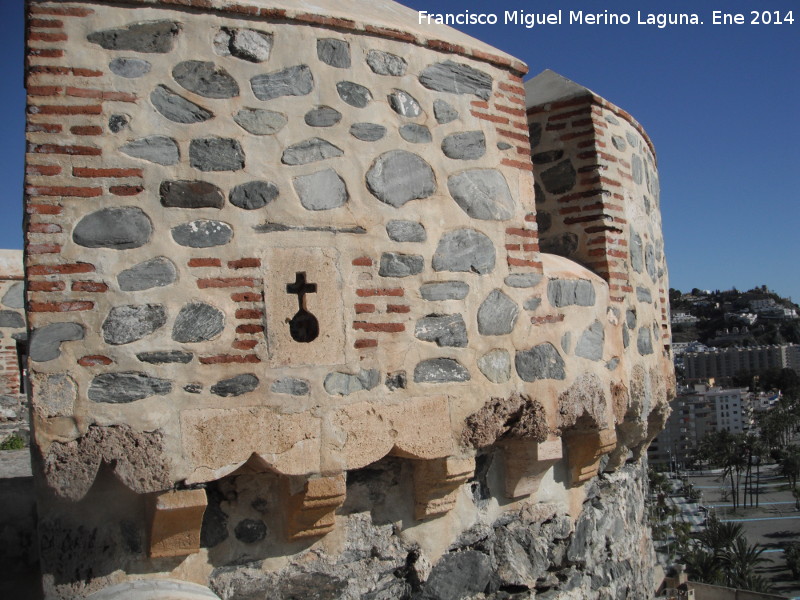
<point x="303" y="326"/>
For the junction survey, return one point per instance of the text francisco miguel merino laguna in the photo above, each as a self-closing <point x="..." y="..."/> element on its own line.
<point x="573" y="17"/>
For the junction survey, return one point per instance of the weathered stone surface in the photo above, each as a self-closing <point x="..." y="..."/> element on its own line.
<point x="156" y="37"/>
<point x="354" y="94"/>
<point x="395" y="264"/>
<point x="247" y="44"/>
<point x="10" y="318"/>
<point x="205" y="79"/>
<point x="344" y="384"/>
<point x="322" y="190"/>
<point x="522" y="280"/>
<point x="644" y="343"/>
<point x="643" y="294"/>
<point x="46" y="341"/>
<point x="193" y="388"/>
<point x="165" y="357"/>
<point x="482" y="194"/>
<point x="130" y="68"/>
<point x="496" y="365"/>
<point x="191" y="194"/>
<point x="618" y="142"/>
<point x="458" y="575"/>
<point x="367" y="132"/>
<point x="406" y="231"/>
<point x="444" y="112"/>
<point x="497" y="314"/>
<point x="540" y="362"/>
<point x="322" y="116"/>
<point x="440" y="370"/>
<point x="631" y="139"/>
<point x="235" y="386"/>
<point x="158" y="149"/>
<point x="464" y="250"/>
<point x="445" y="330"/>
<point x="308" y="151"/>
<point x="126" y="324"/>
<point x="292" y="81"/>
<point x="465" y="145"/>
<point x="637" y="168"/>
<point x="532" y="303"/>
<point x="333" y="52"/>
<point x="198" y="322"/>
<point x="563" y="244"/>
<point x="568" y="292"/>
<point x="14" y="296"/>
<point x="118" y="228"/>
<point x="259" y="121"/>
<point x="630" y="318"/>
<point x="444" y="290"/>
<point x="384" y="63"/>
<point x="516" y="417"/>
<point x="117" y="123"/>
<point x="290" y="385"/>
<point x="650" y="261"/>
<point x="250" y="531"/>
<point x="126" y="386"/>
<point x="57" y="394"/>
<point x="397" y="176"/>
<point x="216" y="154"/>
<point x="253" y="194"/>
<point x="202" y="233"/>
<point x="404" y="104"/>
<point x="456" y="78"/>
<point x="177" y="108"/>
<point x="415" y="133"/>
<point x="560" y="178"/>
<point x="504" y="146"/>
<point x="590" y="344"/>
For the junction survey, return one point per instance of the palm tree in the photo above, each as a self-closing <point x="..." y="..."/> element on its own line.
<point x="740" y="560"/>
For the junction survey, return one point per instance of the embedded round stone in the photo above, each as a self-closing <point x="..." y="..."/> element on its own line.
<point x="11" y="318"/>
<point x="440" y="370"/>
<point x="290" y="385"/>
<point x="126" y="386"/>
<point x="46" y="341"/>
<point x="636" y="168"/>
<point x="158" y="149"/>
<point x="650" y="261"/>
<point x="394" y="264"/>
<point x="496" y="365"/>
<point x="322" y="190"/>
<point x="246" y="44"/>
<point x="117" y="123"/>
<point x="644" y="343"/>
<point x="156" y="37"/>
<point x="250" y="531"/>
<point x="322" y="116"/>
<point x="191" y="194"/>
<point x="177" y="108"/>
<point x="532" y="303"/>
<point x="344" y="384"/>
<point x="643" y="294"/>
<point x="535" y="133"/>
<point x="292" y="81"/>
<point x="464" y="250"/>
<point x="415" y="133"/>
<point x="636" y="251"/>
<point x="15" y="296"/>
<point x="406" y="231"/>
<point x="333" y="52"/>
<point x="253" y="194"/>
<point x="156" y="272"/>
<point x="630" y="318"/>
<point x="216" y="154"/>
<point x="206" y="79"/>
<point x="259" y="121"/>
<point x="235" y="386"/>
<point x="118" y="228"/>
<point x="631" y="139"/>
<point x="384" y="63"/>
<point x="497" y="314"/>
<point x="198" y="322"/>
<point x="130" y="68"/>
<point x="568" y="292"/>
<point x="308" y="151"/>
<point x="482" y="194"/>
<point x="404" y="104"/>
<point x="456" y="78"/>
<point x="397" y="176"/>
<point x="540" y="362"/>
<point x="202" y="233"/>
<point x="444" y="290"/>
<point x="590" y="344"/>
<point x="444" y="112"/>
<point x="367" y="132"/>
<point x="126" y="324"/>
<point x="559" y="178"/>
<point x="522" y="280"/>
<point x="618" y="142"/>
<point x="165" y="357"/>
<point x="465" y="145"/>
<point x="504" y="146"/>
<point x="354" y="94"/>
<point x="445" y="330"/>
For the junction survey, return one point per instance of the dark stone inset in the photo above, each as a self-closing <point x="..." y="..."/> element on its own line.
<point x="445" y="330"/>
<point x="406" y="231"/>
<point x="367" y="132"/>
<point x="129" y="323"/>
<point x="563" y="244"/>
<point x="154" y="37"/>
<point x="522" y="280"/>
<point x="444" y="112"/>
<point x="497" y="314"/>
<point x="542" y="158"/>
<point x="177" y="108"/>
<point x="322" y="116"/>
<point x="205" y="79"/>
<point x="394" y="264"/>
<point x="444" y="290"/>
<point x="158" y="149"/>
<point x="619" y="143"/>
<point x="260" y="121"/>
<point x="126" y="386"/>
<point x="504" y="146"/>
<point x="354" y="94"/>
<point x="308" y="151"/>
<point x="465" y="145"/>
<point x="404" y="104"/>
<point x="644" y="343"/>
<point x="198" y="322"/>
<point x="191" y="194"/>
<point x="202" y="233"/>
<point x="290" y="385"/>
<point x="117" y="123"/>
<point x="440" y="370"/>
<point x="235" y="386"/>
<point x="165" y="357"/>
<point x="323" y="190"/>
<point x="253" y="194"/>
<point x="384" y="63"/>
<point x="193" y="388"/>
<point x="456" y="78"/>
<point x="540" y="362"/>
<point x="10" y="318"/>
<point x="397" y="177"/>
<point x="396" y="381"/>
<point x="46" y="341"/>
<point x="568" y="292"/>
<point x="333" y="52"/>
<point x="535" y="133"/>
<point x="118" y="228"/>
<point x="246" y="44"/>
<point x="482" y="194"/>
<point x="130" y="68"/>
<point x="415" y="133"/>
<point x="465" y="250"/>
<point x="292" y="81"/>
<point x="560" y="178"/>
<point x="250" y="531"/>
<point x="590" y="344"/>
<point x="216" y="154"/>
<point x="459" y="575"/>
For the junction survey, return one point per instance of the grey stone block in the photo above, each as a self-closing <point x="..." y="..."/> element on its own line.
<point x="636" y="251"/>
<point x="117" y="123"/>
<point x="216" y="154"/>
<point x="464" y="145"/>
<point x="126" y="386"/>
<point x="522" y="280"/>
<point x="644" y="343"/>
<point x="118" y="228"/>
<point x="496" y="365"/>
<point x="333" y="52"/>
<point x="46" y="341"/>
<point x="322" y="116"/>
<point x="354" y="94"/>
<point x="177" y="108"/>
<point x="246" y="44"/>
<point x="456" y="78"/>
<point x="497" y="314"/>
<point x="259" y="121"/>
<point x="482" y="194"/>
<point x="394" y="264"/>
<point x="205" y="79"/>
<point x="10" y="318"/>
<point x="290" y="385"/>
<point x="322" y="190"/>
<point x="569" y="292"/>
<point x="643" y="294"/>
<point x="191" y="194"/>
<point x="443" y="112"/>
<point x="384" y="63"/>
<point x="458" y="575"/>
<point x="445" y="330"/>
<point x="198" y="322"/>
<point x="292" y="81"/>
<point x="165" y="357"/>
<point x="562" y="244"/>
<point x="126" y="324"/>
<point x="404" y="104"/>
<point x="157" y="37"/>
<point x="156" y="272"/>
<point x="14" y="296"/>
<point x="415" y="133"/>
<point x="310" y="150"/>
<point x="560" y="178"/>
<point x="158" y="149"/>
<point x="344" y="384"/>
<point x="367" y="132"/>
<point x="540" y="362"/>
<point x="444" y="290"/>
<point x="637" y="169"/>
<point x="253" y="194"/>
<point x="235" y="386"/>
<point x="440" y="370"/>
<point x="202" y="233"/>
<point x="619" y="143"/>
<point x="532" y="303"/>
<point x="464" y="250"/>
<point x="130" y="68"/>
<point x="397" y="176"/>
<point x="406" y="231"/>
<point x="590" y="344"/>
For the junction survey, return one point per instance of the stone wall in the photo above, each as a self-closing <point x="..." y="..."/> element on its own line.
<point x="13" y="340"/>
<point x="281" y="256"/>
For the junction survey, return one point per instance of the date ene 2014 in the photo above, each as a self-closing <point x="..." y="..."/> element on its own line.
<point x="757" y="17"/>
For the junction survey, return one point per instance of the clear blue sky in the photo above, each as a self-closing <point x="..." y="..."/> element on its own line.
<point x="719" y="102"/>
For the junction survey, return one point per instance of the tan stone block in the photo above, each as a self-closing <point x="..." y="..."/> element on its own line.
<point x="526" y="462"/>
<point x="175" y="521"/>
<point x="436" y="484"/>
<point x="584" y="451"/>
<point x="311" y="512"/>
